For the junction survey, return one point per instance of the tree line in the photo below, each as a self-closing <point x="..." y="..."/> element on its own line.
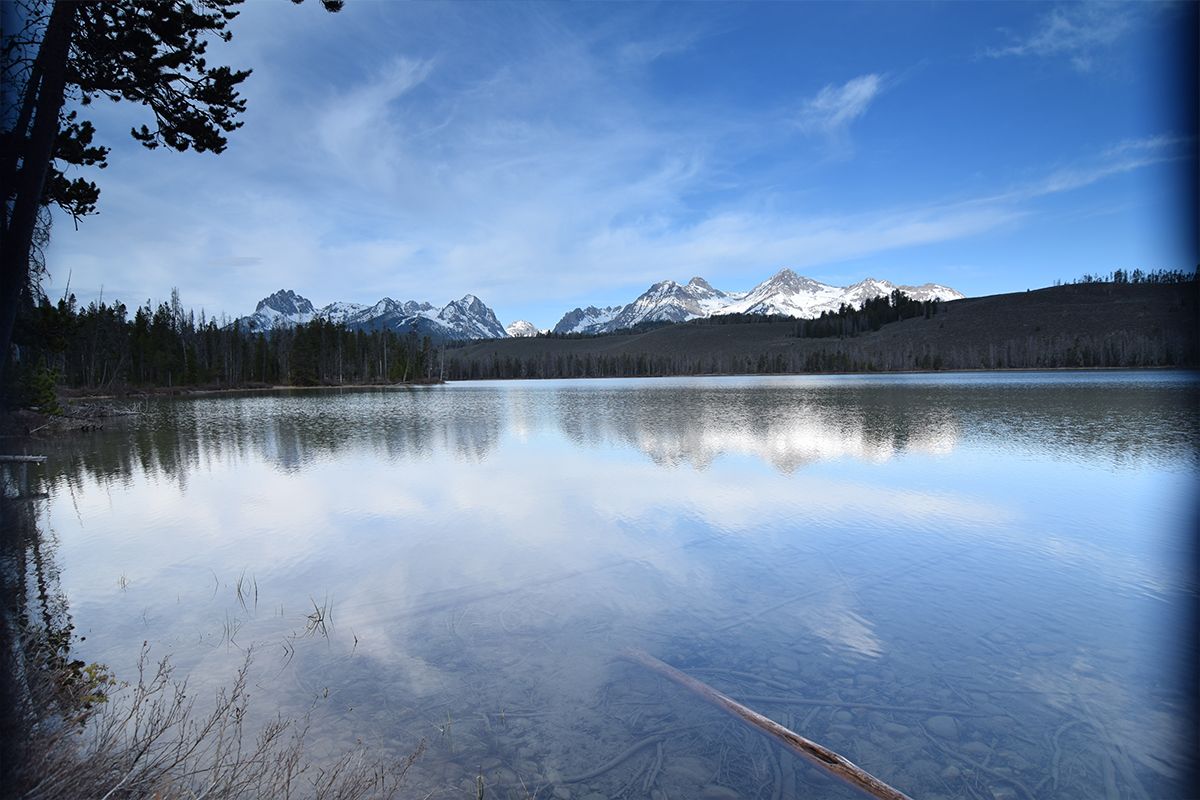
<point x="871" y="315"/>
<point x="103" y="347"/>
<point x="1119" y="348"/>
<point x="1122" y="276"/>
<point x="100" y="346"/>
<point x="58" y="57"/>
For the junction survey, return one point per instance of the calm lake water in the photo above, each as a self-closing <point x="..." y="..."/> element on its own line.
<point x="971" y="585"/>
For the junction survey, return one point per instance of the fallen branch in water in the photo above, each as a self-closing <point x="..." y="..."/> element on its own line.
<point x="819" y="755"/>
<point x="784" y="700"/>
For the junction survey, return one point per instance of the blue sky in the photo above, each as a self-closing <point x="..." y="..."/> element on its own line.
<point x="548" y="156"/>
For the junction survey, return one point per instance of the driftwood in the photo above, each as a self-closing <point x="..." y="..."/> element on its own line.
<point x="822" y="757"/>
<point x="785" y="700"/>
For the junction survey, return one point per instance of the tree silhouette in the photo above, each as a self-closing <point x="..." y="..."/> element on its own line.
<point x="57" y="53"/>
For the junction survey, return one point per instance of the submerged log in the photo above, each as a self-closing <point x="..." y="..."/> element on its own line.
<point x="821" y="756"/>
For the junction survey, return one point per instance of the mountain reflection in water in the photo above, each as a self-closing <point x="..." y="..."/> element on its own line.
<point x="1008" y="549"/>
<point x="787" y="424"/>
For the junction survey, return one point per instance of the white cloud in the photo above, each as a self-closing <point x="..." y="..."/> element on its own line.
<point x="524" y="162"/>
<point x="644" y="51"/>
<point x="1077" y="32"/>
<point x="835" y="107"/>
<point x="553" y="226"/>
<point x="357" y="129"/>
<point x="1123" y="157"/>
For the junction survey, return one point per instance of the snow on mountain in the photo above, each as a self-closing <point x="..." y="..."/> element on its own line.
<point x="586" y="320"/>
<point x="471" y="319"/>
<point x="387" y="314"/>
<point x="787" y="294"/>
<point x="932" y="291"/>
<point x="711" y="300"/>
<point x="338" y="313"/>
<point x="283" y="309"/>
<point x="668" y="301"/>
<point x="866" y="289"/>
<point x="521" y="328"/>
<point x="468" y="318"/>
<point x="870" y="288"/>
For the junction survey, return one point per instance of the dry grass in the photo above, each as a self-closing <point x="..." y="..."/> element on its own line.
<point x="90" y="737"/>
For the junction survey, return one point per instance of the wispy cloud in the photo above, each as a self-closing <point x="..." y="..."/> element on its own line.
<point x="1077" y="32"/>
<point x="1122" y="157"/>
<point x="357" y="128"/>
<point x="1161" y="145"/>
<point x="833" y="108"/>
<point x="644" y="51"/>
<point x="517" y="154"/>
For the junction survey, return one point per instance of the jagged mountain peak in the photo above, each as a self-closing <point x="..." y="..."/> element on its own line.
<point x="467" y="318"/>
<point x="471" y="317"/>
<point x="285" y="301"/>
<point x="469" y="301"/>
<point x="586" y="320"/>
<point x="872" y="283"/>
<point x="788" y="278"/>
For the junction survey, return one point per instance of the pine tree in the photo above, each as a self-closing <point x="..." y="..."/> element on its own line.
<point x="56" y="54"/>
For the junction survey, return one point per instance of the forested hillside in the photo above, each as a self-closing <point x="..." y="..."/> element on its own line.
<point x="101" y="348"/>
<point x="1079" y="325"/>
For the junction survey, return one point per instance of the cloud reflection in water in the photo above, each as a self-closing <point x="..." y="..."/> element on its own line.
<point x="493" y="542"/>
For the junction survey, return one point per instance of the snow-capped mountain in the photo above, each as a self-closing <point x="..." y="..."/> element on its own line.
<point x="283" y="309"/>
<point x="468" y="318"/>
<point x="870" y="288"/>
<point x="587" y="320"/>
<point x="521" y="328"/>
<point x="785" y="293"/>
<point x="931" y="291"/>
<point x="386" y="314"/>
<point x="340" y="313"/>
<point x="792" y="295"/>
<point x="668" y="301"/>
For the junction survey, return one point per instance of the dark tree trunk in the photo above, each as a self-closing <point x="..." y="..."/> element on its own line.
<point x="29" y="184"/>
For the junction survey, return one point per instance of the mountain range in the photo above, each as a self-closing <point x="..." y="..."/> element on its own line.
<point x="785" y="293"/>
<point x="468" y="318"/>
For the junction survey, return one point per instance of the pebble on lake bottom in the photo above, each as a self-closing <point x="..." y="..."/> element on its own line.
<point x="943" y="726"/>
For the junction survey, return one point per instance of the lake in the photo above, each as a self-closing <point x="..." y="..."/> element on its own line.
<point x="972" y="585"/>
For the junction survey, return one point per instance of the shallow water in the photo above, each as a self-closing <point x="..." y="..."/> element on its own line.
<point x="970" y="585"/>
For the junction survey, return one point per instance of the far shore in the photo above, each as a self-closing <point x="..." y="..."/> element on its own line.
<point x="80" y="395"/>
<point x="71" y="395"/>
<point x="85" y="412"/>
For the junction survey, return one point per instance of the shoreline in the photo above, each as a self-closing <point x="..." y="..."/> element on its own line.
<point x="110" y="406"/>
<point x="78" y="416"/>
<point x="79" y="395"/>
<point x="964" y="370"/>
<point x="73" y="395"/>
